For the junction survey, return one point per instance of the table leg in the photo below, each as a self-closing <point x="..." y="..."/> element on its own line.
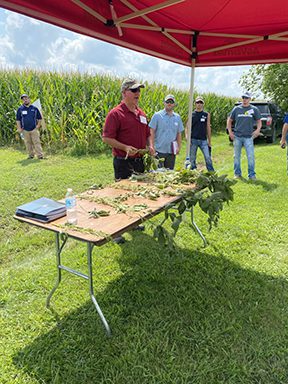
<point x="58" y="260"/>
<point x="195" y="226"/>
<point x="91" y="289"/>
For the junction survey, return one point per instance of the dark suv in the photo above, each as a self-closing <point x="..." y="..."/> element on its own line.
<point x="271" y="117"/>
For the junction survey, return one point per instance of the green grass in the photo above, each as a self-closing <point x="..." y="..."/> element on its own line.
<point x="206" y="315"/>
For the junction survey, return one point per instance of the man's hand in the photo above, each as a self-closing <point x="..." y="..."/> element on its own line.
<point x="231" y="135"/>
<point x="130" y="150"/>
<point x="255" y="134"/>
<point x="283" y="143"/>
<point x="152" y="150"/>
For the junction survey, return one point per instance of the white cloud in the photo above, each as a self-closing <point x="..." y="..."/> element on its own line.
<point x="15" y="21"/>
<point x="6" y="48"/>
<point x="58" y="49"/>
<point x="220" y="80"/>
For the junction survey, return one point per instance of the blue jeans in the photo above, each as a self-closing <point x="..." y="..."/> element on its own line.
<point x="203" y="145"/>
<point x="246" y="142"/>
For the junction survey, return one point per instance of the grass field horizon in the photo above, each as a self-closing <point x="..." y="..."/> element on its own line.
<point x="205" y="315"/>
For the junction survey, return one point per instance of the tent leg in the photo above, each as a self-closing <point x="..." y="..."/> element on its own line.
<point x="189" y="123"/>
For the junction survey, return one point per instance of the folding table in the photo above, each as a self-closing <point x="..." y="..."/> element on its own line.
<point x="98" y="231"/>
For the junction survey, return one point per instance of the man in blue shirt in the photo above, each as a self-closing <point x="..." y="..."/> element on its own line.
<point x="245" y="116"/>
<point x="166" y="127"/>
<point x="28" y="120"/>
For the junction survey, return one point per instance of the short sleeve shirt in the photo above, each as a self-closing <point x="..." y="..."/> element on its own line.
<point x="286" y="119"/>
<point x="166" y="128"/>
<point x="245" y="118"/>
<point x="126" y="127"/>
<point x="28" y="117"/>
<point x="199" y="125"/>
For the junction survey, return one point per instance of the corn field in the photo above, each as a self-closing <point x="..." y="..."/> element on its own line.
<point x="75" y="105"/>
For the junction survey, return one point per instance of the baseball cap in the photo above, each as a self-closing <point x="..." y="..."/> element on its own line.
<point x="170" y="97"/>
<point x="24" y="95"/>
<point x="131" y="84"/>
<point x="199" y="98"/>
<point x="247" y="94"/>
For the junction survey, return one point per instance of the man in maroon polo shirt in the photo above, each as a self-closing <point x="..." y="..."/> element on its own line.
<point x="126" y="131"/>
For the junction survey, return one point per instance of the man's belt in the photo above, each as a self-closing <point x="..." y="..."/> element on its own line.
<point x="128" y="158"/>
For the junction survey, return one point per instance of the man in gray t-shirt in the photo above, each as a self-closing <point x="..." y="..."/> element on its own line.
<point x="244" y="116"/>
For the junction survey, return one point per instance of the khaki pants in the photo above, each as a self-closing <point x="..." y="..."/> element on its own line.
<point x="32" y="142"/>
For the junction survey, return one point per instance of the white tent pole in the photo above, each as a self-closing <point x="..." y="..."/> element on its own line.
<point x="189" y="123"/>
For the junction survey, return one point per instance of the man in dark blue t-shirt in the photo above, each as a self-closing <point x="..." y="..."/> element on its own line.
<point x="28" y="120"/>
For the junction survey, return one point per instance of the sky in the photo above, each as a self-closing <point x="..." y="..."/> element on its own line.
<point x="29" y="43"/>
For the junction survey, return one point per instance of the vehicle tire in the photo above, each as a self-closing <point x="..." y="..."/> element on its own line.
<point x="272" y="138"/>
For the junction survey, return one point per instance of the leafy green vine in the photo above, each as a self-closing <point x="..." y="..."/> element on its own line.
<point x="211" y="193"/>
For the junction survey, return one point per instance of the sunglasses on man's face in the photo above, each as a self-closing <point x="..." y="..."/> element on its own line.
<point x="169" y="102"/>
<point x="134" y="90"/>
<point x="199" y="102"/>
<point x="245" y="97"/>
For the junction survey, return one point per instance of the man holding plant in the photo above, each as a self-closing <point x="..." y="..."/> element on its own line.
<point x="127" y="132"/>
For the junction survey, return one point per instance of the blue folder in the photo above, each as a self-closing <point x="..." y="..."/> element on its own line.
<point x="42" y="209"/>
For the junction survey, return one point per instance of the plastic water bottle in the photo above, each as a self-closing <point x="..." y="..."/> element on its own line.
<point x="70" y="202"/>
<point x="22" y="135"/>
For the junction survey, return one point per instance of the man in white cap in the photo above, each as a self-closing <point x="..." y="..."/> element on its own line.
<point x="28" y="121"/>
<point x="166" y="127"/>
<point x="200" y="135"/>
<point x="126" y="131"/>
<point x="244" y="116"/>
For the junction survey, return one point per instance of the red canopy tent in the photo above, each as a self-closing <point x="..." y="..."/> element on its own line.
<point x="188" y="32"/>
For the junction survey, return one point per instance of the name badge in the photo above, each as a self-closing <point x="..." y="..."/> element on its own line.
<point x="24" y="112"/>
<point x="251" y="112"/>
<point x="176" y="123"/>
<point x="143" y="119"/>
<point x="203" y="119"/>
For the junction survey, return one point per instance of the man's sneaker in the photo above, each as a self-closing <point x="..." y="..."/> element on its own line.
<point x="119" y="240"/>
<point x="139" y="228"/>
<point x="30" y="157"/>
<point x="237" y="177"/>
<point x="252" y="178"/>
